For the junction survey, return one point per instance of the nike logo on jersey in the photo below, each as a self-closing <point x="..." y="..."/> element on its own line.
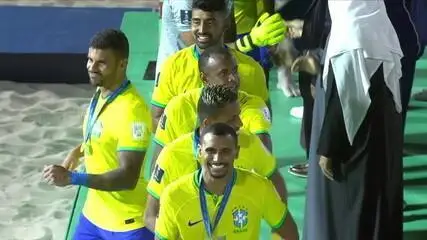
<point x="190" y="224"/>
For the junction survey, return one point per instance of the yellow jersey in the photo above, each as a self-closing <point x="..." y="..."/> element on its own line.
<point x="179" y="158"/>
<point x="180" y="215"/>
<point x="255" y="116"/>
<point x="245" y="15"/>
<point x="180" y="73"/>
<point x="123" y="125"/>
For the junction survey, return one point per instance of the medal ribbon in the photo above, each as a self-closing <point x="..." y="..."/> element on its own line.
<point x="92" y="106"/>
<point x="205" y="213"/>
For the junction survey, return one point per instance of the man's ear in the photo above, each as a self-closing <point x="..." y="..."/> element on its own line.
<point x="199" y="150"/>
<point x="205" y="122"/>
<point x="124" y="64"/>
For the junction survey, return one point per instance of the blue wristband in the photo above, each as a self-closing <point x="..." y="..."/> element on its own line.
<point x="78" y="178"/>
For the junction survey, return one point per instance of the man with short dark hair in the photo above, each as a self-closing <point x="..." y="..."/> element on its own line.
<point x="218" y="201"/>
<point x="116" y="131"/>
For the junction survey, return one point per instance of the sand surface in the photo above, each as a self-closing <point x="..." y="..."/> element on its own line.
<point x="39" y="124"/>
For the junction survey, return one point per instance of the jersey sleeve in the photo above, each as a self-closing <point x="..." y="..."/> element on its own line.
<point x="160" y="177"/>
<point x="257" y="118"/>
<point x="265" y="165"/>
<point x="166" y="223"/>
<point x="181" y="11"/>
<point x="163" y="91"/>
<point x="260" y="86"/>
<point x="165" y="132"/>
<point x="134" y="130"/>
<point x="274" y="209"/>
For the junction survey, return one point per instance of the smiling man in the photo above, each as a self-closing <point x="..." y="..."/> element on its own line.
<point x="180" y="72"/>
<point x="116" y="132"/>
<point x="217" y="104"/>
<point x="218" y="201"/>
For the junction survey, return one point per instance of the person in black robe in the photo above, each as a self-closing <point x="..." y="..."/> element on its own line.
<point x="355" y="185"/>
<point x="311" y="42"/>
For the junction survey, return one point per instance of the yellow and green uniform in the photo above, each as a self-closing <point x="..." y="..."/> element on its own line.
<point x="179" y="158"/>
<point x="180" y="116"/>
<point x="123" y="125"/>
<point x="180" y="73"/>
<point x="252" y="199"/>
<point x="246" y="15"/>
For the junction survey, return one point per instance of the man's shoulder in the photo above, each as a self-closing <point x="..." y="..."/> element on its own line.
<point x="185" y="99"/>
<point x="246" y="138"/>
<point x="181" y="148"/>
<point x="180" y="57"/>
<point x="180" y="191"/>
<point x="182" y="184"/>
<point x="183" y="143"/>
<point x="250" y="100"/>
<point x="132" y="101"/>
<point x="242" y="58"/>
<point x="250" y="179"/>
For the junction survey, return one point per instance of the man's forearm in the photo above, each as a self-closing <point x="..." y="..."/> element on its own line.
<point x="266" y="140"/>
<point x="116" y="180"/>
<point x="279" y="184"/>
<point x="78" y="150"/>
<point x="151" y="212"/>
<point x="150" y="223"/>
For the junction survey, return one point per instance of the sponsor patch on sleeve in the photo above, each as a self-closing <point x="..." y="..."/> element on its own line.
<point x="158" y="174"/>
<point x="266" y="113"/>
<point x="163" y="120"/>
<point x="138" y="130"/>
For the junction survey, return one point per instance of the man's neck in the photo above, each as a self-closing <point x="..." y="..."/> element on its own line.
<point x="215" y="185"/>
<point x="107" y="90"/>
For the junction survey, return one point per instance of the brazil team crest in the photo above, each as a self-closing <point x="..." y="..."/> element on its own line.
<point x="240" y="219"/>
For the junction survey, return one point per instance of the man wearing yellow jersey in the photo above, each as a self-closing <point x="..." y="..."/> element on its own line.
<point x="246" y="16"/>
<point x="116" y="132"/>
<point x="180" y="73"/>
<point x="216" y="104"/>
<point x="218" y="201"/>
<point x="217" y="67"/>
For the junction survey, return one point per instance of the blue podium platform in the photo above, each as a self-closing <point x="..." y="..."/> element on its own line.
<point x="49" y="44"/>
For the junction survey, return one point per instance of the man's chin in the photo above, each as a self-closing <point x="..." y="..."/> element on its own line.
<point x="203" y="45"/>
<point x="218" y="174"/>
<point x="95" y="82"/>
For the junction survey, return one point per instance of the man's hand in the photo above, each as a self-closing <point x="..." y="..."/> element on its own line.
<point x="326" y="166"/>
<point x="268" y="31"/>
<point x="308" y="63"/>
<point x="72" y="160"/>
<point x="56" y="175"/>
<point x="295" y="28"/>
